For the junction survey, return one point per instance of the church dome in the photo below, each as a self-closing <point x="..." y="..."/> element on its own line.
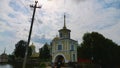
<point x="32" y="46"/>
<point x="4" y="55"/>
<point x="56" y="38"/>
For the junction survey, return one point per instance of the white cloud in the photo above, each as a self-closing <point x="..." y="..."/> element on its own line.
<point x="82" y="16"/>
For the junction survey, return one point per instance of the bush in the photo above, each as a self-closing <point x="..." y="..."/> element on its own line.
<point x="42" y="65"/>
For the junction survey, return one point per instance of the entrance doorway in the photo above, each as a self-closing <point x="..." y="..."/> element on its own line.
<point x="60" y="60"/>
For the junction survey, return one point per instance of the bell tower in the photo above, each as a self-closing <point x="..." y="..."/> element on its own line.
<point x="64" y="32"/>
<point x="64" y="49"/>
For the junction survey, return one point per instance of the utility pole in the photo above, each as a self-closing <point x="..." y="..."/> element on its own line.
<point x="29" y="37"/>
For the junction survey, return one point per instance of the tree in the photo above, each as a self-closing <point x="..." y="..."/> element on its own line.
<point x="44" y="53"/>
<point x="20" y="49"/>
<point x="11" y="58"/>
<point x="98" y="48"/>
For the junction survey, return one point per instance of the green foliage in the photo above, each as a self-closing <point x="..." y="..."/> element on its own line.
<point x="102" y="49"/>
<point x="20" y="49"/>
<point x="29" y="51"/>
<point x="42" y="65"/>
<point x="11" y="58"/>
<point x="45" y="53"/>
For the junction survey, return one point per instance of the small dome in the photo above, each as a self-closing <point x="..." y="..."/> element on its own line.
<point x="3" y="54"/>
<point x="32" y="45"/>
<point x="56" y="38"/>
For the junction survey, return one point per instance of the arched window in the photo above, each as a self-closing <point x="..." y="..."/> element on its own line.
<point x="59" y="47"/>
<point x="61" y="35"/>
<point x="72" y="47"/>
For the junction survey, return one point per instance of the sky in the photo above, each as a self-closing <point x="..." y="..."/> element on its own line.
<point x="102" y="16"/>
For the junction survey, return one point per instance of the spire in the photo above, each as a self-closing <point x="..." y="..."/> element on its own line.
<point x="64" y="22"/>
<point x="32" y="43"/>
<point x="4" y="50"/>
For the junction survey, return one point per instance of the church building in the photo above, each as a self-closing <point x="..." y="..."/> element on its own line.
<point x="34" y="53"/>
<point x="64" y="49"/>
<point x="3" y="57"/>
